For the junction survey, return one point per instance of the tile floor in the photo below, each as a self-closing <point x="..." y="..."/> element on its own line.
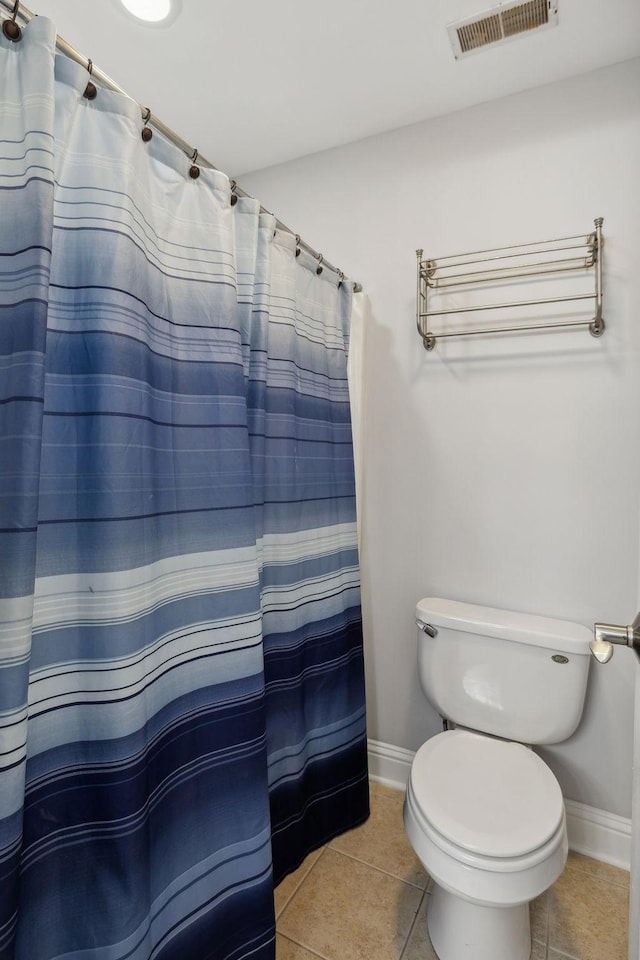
<point x="365" y="896"/>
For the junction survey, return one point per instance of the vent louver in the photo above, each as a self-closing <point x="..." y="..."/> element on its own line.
<point x="501" y="23"/>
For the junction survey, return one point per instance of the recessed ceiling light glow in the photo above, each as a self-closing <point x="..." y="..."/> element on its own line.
<point x="152" y="11"/>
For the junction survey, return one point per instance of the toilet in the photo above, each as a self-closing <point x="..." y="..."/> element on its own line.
<point x="483" y="812"/>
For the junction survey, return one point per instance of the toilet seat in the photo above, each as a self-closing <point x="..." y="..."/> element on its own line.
<point x="481" y="799"/>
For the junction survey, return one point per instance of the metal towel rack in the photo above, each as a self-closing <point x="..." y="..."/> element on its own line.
<point x="540" y="260"/>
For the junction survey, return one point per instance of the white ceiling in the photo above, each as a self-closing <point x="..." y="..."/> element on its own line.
<point x="252" y="83"/>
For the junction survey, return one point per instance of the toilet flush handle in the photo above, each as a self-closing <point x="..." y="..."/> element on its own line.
<point x="426" y="628"/>
<point x="606" y="634"/>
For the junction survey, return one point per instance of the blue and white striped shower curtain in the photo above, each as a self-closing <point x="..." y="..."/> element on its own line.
<point x="181" y="688"/>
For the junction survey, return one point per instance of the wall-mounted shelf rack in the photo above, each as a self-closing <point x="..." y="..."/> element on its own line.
<point x="467" y="273"/>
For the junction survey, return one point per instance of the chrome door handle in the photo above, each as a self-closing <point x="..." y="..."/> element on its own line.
<point x="606" y="634"/>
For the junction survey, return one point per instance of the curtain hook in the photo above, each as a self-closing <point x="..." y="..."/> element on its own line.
<point x="319" y="268"/>
<point x="10" y="28"/>
<point x="194" y="170"/>
<point x="234" y="196"/>
<point x="90" y="91"/>
<point x="342" y="277"/>
<point x="297" y="244"/>
<point x="146" y="132"/>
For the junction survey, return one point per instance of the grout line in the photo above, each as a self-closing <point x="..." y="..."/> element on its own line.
<point x="365" y="863"/>
<point x="413" y="924"/>
<point x="547" y="920"/>
<point x="591" y="875"/>
<point x="302" y="880"/>
<point x="304" y="947"/>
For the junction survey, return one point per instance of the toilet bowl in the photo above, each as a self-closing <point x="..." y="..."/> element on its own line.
<point x="483" y="812"/>
<point x="486" y="818"/>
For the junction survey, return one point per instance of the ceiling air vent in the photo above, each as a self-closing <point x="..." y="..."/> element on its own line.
<point x="501" y="23"/>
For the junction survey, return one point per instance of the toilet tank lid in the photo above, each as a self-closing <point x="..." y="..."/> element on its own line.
<point x="506" y="624"/>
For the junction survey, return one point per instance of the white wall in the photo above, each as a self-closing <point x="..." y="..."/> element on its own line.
<point x="502" y="471"/>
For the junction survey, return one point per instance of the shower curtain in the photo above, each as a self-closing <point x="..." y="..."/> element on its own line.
<point x="181" y="683"/>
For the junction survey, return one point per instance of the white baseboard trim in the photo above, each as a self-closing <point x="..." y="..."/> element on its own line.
<point x="595" y="833"/>
<point x="389" y="765"/>
<point x="599" y="834"/>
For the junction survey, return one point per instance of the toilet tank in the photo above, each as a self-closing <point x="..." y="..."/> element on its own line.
<point x="512" y="675"/>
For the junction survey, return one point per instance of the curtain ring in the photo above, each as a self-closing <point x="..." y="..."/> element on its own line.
<point x="10" y="28"/>
<point x="341" y="280"/>
<point x="147" y="132"/>
<point x="297" y="244"/>
<point x="194" y="170"/>
<point x="319" y="268"/>
<point x="234" y="197"/>
<point x="90" y="91"/>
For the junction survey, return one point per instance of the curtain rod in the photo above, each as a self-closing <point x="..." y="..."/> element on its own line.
<point x="17" y="11"/>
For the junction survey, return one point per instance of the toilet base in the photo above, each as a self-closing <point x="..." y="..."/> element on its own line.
<point x="461" y="930"/>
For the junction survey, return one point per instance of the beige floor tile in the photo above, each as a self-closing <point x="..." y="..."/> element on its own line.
<point x="287" y="887"/>
<point x="597" y="869"/>
<point x="419" y="945"/>
<point x="588" y="918"/>
<point x="382" y="842"/>
<point x="346" y="910"/>
<point x="539" y="917"/>
<point x="288" y="950"/>
<point x="538" y="951"/>
<point x="385" y="791"/>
